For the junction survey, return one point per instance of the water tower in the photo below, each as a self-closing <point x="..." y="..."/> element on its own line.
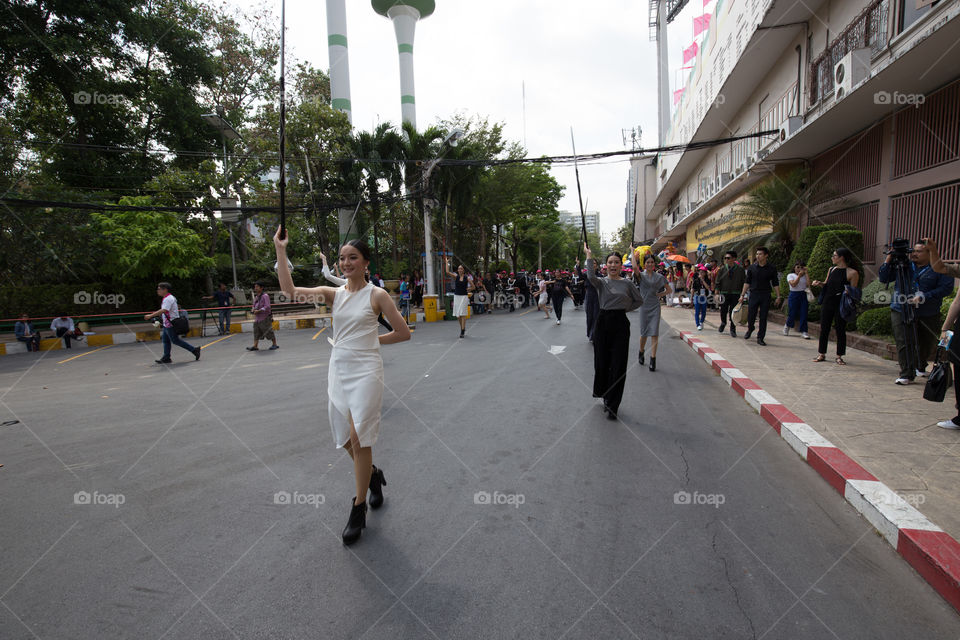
<point x="404" y="14"/>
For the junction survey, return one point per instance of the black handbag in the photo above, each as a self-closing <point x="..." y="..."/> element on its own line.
<point x="181" y="324"/>
<point x="939" y="379"/>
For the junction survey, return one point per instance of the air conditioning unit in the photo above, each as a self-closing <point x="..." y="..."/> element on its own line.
<point x="790" y="127"/>
<point x="741" y="169"/>
<point x="852" y="69"/>
<point x="725" y="179"/>
<point x="760" y="155"/>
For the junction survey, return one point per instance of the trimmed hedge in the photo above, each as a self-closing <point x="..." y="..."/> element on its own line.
<point x="820" y="259"/>
<point x="804" y="247"/>
<point x="875" y="322"/>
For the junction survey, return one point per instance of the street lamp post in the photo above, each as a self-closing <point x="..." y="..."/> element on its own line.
<point x="428" y="203"/>
<point x="226" y="130"/>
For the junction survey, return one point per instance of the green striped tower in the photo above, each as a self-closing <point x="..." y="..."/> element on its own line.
<point x="404" y="14"/>
<point x="339" y="60"/>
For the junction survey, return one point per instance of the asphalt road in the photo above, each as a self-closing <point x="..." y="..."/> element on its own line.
<point x="205" y="500"/>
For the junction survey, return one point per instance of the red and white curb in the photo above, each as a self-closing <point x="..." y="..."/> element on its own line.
<point x="928" y="549"/>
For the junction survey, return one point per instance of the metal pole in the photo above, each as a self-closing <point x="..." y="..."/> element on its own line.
<point x="233" y="259"/>
<point x="283" y="119"/>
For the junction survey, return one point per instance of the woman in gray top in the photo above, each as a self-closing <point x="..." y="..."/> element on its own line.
<point x="652" y="286"/>
<point x="611" y="336"/>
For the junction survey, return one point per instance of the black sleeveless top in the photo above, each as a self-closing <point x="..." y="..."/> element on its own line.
<point x="835" y="284"/>
<point x="460" y="286"/>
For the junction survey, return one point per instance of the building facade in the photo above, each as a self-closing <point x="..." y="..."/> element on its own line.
<point x="864" y="94"/>
<point x="572" y="218"/>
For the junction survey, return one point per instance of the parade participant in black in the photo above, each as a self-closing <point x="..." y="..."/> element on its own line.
<point x="576" y="285"/>
<point x="611" y="341"/>
<point x="524" y="285"/>
<point x="761" y="280"/>
<point x="558" y="291"/>
<point x="590" y="303"/>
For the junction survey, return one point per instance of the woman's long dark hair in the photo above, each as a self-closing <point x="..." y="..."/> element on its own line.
<point x="360" y="246"/>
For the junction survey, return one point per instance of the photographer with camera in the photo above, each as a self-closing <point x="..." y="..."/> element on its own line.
<point x="915" y="310"/>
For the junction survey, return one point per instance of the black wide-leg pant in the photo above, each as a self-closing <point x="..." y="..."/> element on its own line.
<point x="611" y="350"/>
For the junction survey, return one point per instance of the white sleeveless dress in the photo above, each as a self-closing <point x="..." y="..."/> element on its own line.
<point x="355" y="374"/>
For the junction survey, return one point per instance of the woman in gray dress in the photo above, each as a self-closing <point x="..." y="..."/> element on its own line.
<point x="653" y="286"/>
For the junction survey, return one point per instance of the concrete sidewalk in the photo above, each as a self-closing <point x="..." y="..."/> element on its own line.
<point x="888" y="429"/>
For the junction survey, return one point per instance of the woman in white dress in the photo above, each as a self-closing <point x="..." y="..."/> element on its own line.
<point x="355" y="375"/>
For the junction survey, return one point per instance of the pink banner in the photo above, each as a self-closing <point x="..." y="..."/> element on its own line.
<point x="690" y="53"/>
<point x="677" y="95"/>
<point x="706" y="2"/>
<point x="701" y="24"/>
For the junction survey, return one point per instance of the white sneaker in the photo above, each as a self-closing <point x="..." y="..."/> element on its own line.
<point x="699" y="327"/>
<point x="903" y="381"/>
<point x="806" y="336"/>
<point x="921" y="374"/>
<point x="786" y="330"/>
<point x="558" y="322"/>
<point x="948" y="424"/>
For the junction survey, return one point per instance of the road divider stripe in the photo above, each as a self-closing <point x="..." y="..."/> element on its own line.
<point x="85" y="354"/>
<point x="204" y="346"/>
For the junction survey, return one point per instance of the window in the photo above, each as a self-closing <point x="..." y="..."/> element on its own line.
<point x="910" y="13"/>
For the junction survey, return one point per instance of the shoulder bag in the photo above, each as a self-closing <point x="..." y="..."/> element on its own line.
<point x="939" y="379"/>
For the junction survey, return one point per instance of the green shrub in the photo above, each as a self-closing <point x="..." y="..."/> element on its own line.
<point x="804" y="247"/>
<point x="877" y="294"/>
<point x="820" y="259"/>
<point x="874" y="322"/>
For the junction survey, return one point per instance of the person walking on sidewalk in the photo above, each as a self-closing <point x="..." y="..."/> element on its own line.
<point x="699" y="291"/>
<point x="952" y="323"/>
<point x="461" y="291"/>
<point x="262" y="319"/>
<point x="729" y="284"/>
<point x="169" y="311"/>
<point x="927" y="290"/>
<point x="611" y="336"/>
<point x="797" y="303"/>
<point x="760" y="281"/>
<point x="355" y="374"/>
<point x="652" y="286"/>
<point x="838" y="277"/>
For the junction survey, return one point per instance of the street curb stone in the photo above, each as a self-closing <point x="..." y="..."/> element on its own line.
<point x="925" y="546"/>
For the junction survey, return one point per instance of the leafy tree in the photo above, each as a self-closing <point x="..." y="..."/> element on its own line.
<point x="148" y="244"/>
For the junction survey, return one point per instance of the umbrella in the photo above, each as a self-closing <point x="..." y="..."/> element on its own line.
<point x="678" y="258"/>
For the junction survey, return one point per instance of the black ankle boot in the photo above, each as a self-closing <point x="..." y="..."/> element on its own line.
<point x="653" y="363"/>
<point x="377" y="483"/>
<point x="356" y="523"/>
<point x="641" y="357"/>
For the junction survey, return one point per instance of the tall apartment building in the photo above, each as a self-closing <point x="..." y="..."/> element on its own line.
<point x="865" y="94"/>
<point x="572" y="218"/>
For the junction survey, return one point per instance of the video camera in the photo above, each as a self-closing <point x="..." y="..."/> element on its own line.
<point x="900" y="249"/>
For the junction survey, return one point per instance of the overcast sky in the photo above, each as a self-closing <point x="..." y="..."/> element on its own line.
<point x="589" y="66"/>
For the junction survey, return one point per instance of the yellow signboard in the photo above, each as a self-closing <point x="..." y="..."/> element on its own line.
<point x="718" y="228"/>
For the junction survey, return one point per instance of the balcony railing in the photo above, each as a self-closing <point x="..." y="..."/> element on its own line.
<point x="869" y="29"/>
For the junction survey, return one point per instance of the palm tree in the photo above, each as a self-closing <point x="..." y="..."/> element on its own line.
<point x="777" y="204"/>
<point x="417" y="147"/>
<point x="374" y="152"/>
